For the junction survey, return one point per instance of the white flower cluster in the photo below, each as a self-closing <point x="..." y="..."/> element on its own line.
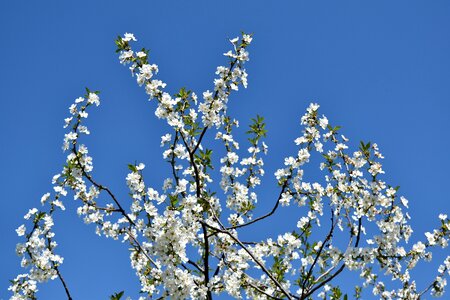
<point x="37" y="254"/>
<point x="180" y="247"/>
<point x="215" y="103"/>
<point x="357" y="197"/>
<point x="38" y="251"/>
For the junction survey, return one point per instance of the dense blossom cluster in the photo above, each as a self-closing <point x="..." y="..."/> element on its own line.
<point x="184" y="237"/>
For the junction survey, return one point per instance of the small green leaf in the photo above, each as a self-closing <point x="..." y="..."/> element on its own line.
<point x="116" y="296"/>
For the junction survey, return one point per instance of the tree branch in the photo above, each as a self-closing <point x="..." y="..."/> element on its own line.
<point x="261" y="265"/>
<point x="66" y="289"/>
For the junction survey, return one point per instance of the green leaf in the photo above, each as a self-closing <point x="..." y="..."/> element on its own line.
<point x="116" y="296"/>
<point x="174" y="200"/>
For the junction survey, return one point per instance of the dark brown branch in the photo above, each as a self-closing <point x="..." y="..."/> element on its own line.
<point x="309" y="293"/>
<point x="101" y="187"/>
<point x="323" y="282"/>
<point x="206" y="261"/>
<point x="275" y="281"/>
<point x="172" y="160"/>
<point x="328" y="237"/>
<point x="205" y="232"/>
<point x="215" y="97"/>
<point x="218" y="265"/>
<point x="262" y="292"/>
<point x="66" y="289"/>
<point x="194" y="165"/>
<point x="195" y="265"/>
<point x="277" y="203"/>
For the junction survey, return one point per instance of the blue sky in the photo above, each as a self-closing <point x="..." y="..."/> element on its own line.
<point x="379" y="69"/>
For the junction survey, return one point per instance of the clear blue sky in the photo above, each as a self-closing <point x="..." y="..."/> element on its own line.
<point x="380" y="69"/>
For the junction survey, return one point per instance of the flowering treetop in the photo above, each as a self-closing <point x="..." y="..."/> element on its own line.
<point x="185" y="236"/>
